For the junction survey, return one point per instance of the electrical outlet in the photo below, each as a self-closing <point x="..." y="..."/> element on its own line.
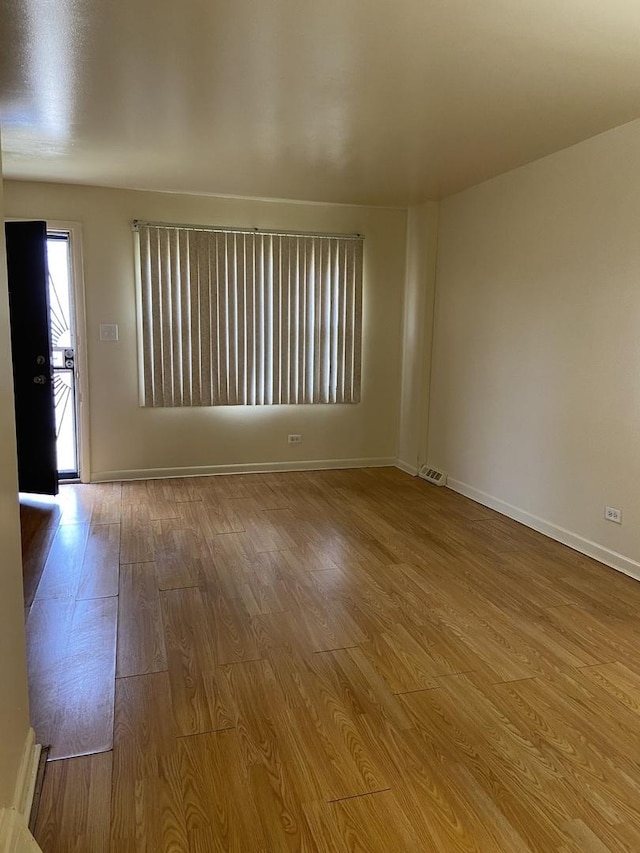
<point x="294" y="438"/>
<point x="613" y="514"/>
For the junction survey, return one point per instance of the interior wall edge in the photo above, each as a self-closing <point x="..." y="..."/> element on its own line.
<point x="26" y="781"/>
<point x="14" y="820"/>
<point x="14" y="833"/>
<point x="407" y="467"/>
<point x="430" y="318"/>
<point x="417" y="332"/>
<point x="14" y="698"/>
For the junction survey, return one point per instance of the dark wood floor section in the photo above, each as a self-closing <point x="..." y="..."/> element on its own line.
<point x="327" y="661"/>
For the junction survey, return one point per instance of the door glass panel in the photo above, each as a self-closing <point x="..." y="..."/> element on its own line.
<point x="63" y="354"/>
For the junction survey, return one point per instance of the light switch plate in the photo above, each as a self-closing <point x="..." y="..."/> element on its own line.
<point x="108" y="331"/>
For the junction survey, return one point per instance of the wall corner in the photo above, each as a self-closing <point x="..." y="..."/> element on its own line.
<point x="417" y="338"/>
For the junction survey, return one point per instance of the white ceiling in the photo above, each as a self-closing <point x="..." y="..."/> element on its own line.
<point x="367" y="101"/>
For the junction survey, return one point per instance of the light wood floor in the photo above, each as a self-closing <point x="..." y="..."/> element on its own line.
<point x="328" y="661"/>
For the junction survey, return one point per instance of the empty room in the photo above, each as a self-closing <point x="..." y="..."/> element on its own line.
<point x="319" y="407"/>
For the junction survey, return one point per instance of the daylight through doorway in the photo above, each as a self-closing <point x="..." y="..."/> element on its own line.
<point x="63" y="352"/>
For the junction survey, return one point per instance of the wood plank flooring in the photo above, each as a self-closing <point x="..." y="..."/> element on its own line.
<point x="327" y="661"/>
<point x="71" y="567"/>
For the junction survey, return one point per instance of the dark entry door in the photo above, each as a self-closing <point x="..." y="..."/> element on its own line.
<point x="31" y="355"/>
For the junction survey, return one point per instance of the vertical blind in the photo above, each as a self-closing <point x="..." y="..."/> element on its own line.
<point x="248" y="318"/>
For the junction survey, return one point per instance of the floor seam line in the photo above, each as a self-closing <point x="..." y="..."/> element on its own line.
<point x="356" y="796"/>
<point x="207" y="732"/>
<point x="514" y="680"/>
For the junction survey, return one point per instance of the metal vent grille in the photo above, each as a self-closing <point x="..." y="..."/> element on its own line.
<point x="432" y="475"/>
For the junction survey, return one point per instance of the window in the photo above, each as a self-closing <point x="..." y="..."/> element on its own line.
<point x="231" y="317"/>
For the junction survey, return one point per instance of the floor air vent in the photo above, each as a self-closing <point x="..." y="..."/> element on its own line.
<point x="433" y="476"/>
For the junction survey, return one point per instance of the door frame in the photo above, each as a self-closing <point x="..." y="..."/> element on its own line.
<point x="74" y="230"/>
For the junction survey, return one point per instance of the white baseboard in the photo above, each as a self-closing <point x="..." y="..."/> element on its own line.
<point x="585" y="546"/>
<point x="26" y="781"/>
<point x="248" y="468"/>
<point x="14" y="833"/>
<point x="408" y="469"/>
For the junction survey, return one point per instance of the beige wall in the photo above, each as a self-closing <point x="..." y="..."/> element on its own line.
<point x="125" y="437"/>
<point x="422" y="241"/>
<point x="536" y="380"/>
<point x="14" y="711"/>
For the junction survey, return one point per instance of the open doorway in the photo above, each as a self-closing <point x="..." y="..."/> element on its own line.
<point x="63" y="338"/>
<point x="67" y="323"/>
<point x="48" y="352"/>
